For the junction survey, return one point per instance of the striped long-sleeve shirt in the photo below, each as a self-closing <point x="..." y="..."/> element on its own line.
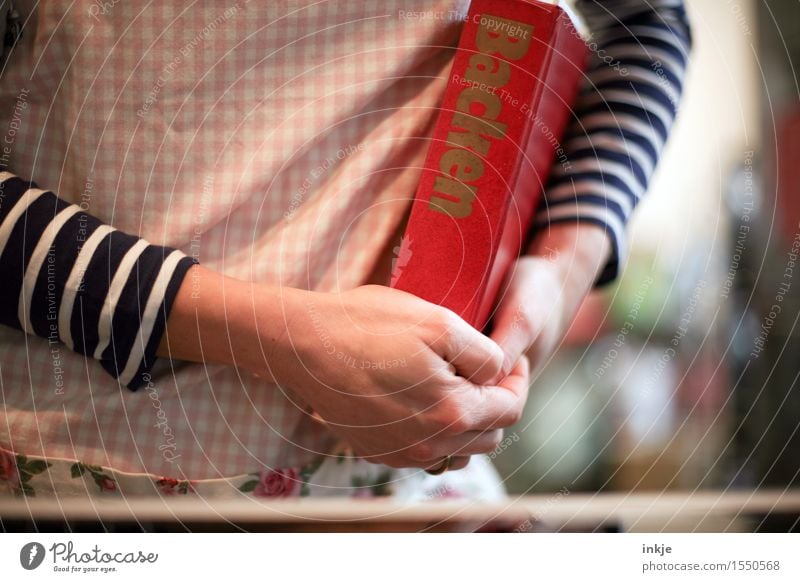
<point x="107" y="294"/>
<point x="69" y="278"/>
<point x="623" y="116"/>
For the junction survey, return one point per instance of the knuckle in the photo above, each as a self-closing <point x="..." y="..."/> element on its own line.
<point x="456" y="419"/>
<point x="460" y="424"/>
<point x="445" y="325"/>
<point x="444" y="318"/>
<point x="440" y="417"/>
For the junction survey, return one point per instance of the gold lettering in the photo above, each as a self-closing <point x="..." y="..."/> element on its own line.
<point x="462" y="164"/>
<point x="459" y="203"/>
<point x="476" y="132"/>
<point x="488" y="70"/>
<point x="490" y="40"/>
<point x="469" y="97"/>
<point x="475" y="121"/>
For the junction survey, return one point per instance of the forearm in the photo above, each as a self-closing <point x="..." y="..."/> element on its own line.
<point x="217" y="319"/>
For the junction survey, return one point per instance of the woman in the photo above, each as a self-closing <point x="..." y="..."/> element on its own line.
<point x="232" y="178"/>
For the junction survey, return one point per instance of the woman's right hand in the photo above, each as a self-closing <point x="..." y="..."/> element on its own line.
<point x="405" y="382"/>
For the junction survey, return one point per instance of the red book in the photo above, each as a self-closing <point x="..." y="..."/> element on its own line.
<point x="515" y="76"/>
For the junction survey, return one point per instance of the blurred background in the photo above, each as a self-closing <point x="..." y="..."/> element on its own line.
<point x="684" y="374"/>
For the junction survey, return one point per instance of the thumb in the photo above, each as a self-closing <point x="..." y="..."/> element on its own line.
<point x="512" y="333"/>
<point x="501" y="406"/>
<point x="473" y="355"/>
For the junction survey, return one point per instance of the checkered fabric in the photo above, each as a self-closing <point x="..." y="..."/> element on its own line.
<point x="277" y="142"/>
<point x="273" y="141"/>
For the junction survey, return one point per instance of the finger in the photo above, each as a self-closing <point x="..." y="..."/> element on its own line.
<point x="501" y="406"/>
<point x="399" y="461"/>
<point x="470" y="443"/>
<point x="474" y="442"/>
<point x="474" y="356"/>
<point x="426" y="453"/>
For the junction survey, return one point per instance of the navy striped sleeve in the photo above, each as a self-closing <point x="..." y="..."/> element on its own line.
<point x="70" y="278"/>
<point x="622" y="116"/>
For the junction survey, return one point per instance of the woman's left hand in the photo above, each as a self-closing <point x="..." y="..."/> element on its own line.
<point x="545" y="290"/>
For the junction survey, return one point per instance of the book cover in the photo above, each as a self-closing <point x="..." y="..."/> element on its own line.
<point x="515" y="75"/>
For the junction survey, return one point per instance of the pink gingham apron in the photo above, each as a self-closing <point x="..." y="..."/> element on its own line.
<point x="274" y="141"/>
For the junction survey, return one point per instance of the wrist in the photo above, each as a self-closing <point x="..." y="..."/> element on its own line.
<point x="221" y="320"/>
<point x="278" y="322"/>
<point x="199" y="322"/>
<point x="575" y="252"/>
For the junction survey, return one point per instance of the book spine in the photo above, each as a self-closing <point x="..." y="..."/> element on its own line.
<point x="477" y="149"/>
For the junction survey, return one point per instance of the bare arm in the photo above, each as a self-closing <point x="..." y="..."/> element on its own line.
<point x="405" y="382"/>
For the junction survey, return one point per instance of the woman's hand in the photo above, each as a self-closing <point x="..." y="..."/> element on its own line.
<point x="546" y="289"/>
<point x="405" y="382"/>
